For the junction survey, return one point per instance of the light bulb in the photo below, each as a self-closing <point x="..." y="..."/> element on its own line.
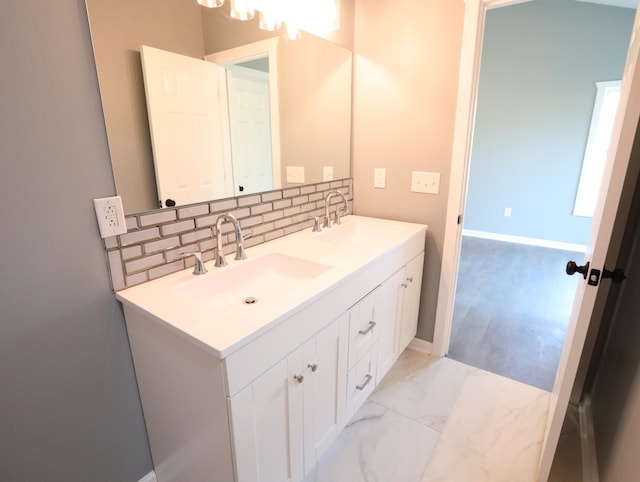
<point x="211" y="3"/>
<point x="242" y="9"/>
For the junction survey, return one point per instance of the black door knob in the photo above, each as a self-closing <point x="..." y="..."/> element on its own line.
<point x="573" y="268"/>
<point x="617" y="275"/>
<point x="170" y="203"/>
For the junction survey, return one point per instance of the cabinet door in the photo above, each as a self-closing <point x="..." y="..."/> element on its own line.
<point x="410" y="301"/>
<point x="266" y="423"/>
<point x="324" y="387"/>
<point x="387" y="316"/>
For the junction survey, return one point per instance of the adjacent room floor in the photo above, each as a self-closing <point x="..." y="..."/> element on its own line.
<point x="512" y="308"/>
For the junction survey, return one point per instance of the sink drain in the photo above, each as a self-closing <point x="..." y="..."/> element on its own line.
<point x="250" y="300"/>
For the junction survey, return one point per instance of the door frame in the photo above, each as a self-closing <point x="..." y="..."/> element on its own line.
<point x="252" y="51"/>
<point x="610" y="210"/>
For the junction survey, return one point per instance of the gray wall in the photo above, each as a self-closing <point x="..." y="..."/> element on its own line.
<point x="69" y="407"/>
<point x="537" y="87"/>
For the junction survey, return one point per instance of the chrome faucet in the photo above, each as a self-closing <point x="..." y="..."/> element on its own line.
<point x="199" y="267"/>
<point x="220" y="260"/>
<point x="327" y="220"/>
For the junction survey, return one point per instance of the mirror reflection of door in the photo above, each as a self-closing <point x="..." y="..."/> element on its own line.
<point x="250" y="129"/>
<point x="186" y="127"/>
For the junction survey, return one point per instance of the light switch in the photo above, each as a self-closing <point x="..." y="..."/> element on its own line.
<point x="426" y="182"/>
<point x="327" y="173"/>
<point x="379" y="177"/>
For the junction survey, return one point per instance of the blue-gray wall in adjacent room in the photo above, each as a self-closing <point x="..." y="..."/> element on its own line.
<point x="540" y="62"/>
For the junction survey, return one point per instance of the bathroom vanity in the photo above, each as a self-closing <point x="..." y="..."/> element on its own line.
<point x="249" y="372"/>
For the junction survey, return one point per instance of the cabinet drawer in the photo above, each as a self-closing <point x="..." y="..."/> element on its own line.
<point x="361" y="381"/>
<point x="362" y="328"/>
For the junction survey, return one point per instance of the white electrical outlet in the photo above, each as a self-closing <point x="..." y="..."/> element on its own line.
<point x="327" y="173"/>
<point x="507" y="212"/>
<point x="110" y="216"/>
<point x="426" y="182"/>
<point x="295" y="174"/>
<point x="379" y="177"/>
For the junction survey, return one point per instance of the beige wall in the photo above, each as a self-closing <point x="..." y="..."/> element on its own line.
<point x="405" y="86"/>
<point x="315" y="107"/>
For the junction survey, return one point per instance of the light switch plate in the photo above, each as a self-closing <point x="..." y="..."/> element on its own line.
<point x="110" y="216"/>
<point x="295" y="174"/>
<point x="327" y="173"/>
<point x="425" y="182"/>
<point x="379" y="177"/>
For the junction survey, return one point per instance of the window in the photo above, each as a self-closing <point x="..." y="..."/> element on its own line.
<point x="595" y="155"/>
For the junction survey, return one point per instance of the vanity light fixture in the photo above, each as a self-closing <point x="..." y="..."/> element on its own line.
<point x="315" y="16"/>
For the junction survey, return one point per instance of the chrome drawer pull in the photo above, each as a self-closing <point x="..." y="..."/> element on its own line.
<point x="367" y="379"/>
<point x="369" y="328"/>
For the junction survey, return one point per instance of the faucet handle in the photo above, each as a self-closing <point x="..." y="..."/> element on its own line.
<point x="199" y="268"/>
<point x="316" y="225"/>
<point x="336" y="219"/>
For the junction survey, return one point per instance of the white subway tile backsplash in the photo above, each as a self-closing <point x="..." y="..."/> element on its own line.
<point x="196" y="236"/>
<point x="285" y="203"/>
<point x="115" y="268"/>
<point x="179" y="227"/>
<point x="161" y="245"/>
<point x="158" y="217"/>
<point x="271" y="196"/>
<point x="143" y="263"/>
<point x="249" y="200"/>
<point x="193" y="211"/>
<point x="152" y="246"/>
<point x="139" y="236"/>
<point x="224" y="205"/>
<point x="291" y="192"/>
<point x="131" y="252"/>
<point x="261" y="208"/>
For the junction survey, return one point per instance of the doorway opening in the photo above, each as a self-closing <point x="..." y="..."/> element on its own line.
<point x="540" y="65"/>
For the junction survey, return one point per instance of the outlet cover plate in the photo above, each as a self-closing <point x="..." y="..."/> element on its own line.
<point x="110" y="216"/>
<point x="295" y="174"/>
<point x="379" y="177"/>
<point x="327" y="173"/>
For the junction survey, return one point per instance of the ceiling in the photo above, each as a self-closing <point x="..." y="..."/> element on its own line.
<point x="615" y="3"/>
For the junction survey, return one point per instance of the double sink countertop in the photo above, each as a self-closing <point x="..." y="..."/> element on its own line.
<point x="229" y="306"/>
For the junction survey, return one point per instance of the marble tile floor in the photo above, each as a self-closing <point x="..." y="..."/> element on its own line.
<point x="433" y="420"/>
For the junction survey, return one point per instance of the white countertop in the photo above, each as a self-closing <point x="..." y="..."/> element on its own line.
<point x="223" y="328"/>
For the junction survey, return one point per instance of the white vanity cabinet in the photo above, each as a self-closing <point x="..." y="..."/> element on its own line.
<point x="234" y="398"/>
<point x="284" y="420"/>
<point x="409" y="302"/>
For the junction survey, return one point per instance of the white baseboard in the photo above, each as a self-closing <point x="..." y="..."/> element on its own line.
<point x="150" y="477"/>
<point x="545" y="243"/>
<point x="422" y="346"/>
<point x="588" y="443"/>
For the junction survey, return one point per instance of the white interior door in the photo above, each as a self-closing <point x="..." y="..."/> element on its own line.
<point x="250" y="129"/>
<point x="186" y="127"/>
<point x="611" y="190"/>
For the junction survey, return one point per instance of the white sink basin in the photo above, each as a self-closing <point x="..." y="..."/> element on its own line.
<point x="251" y="282"/>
